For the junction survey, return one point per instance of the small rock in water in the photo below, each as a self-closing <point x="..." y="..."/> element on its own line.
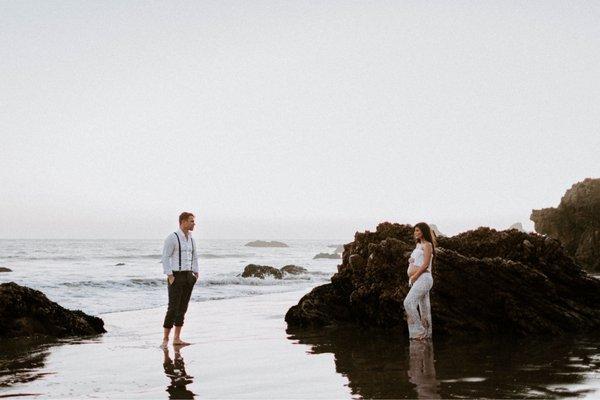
<point x="117" y="264"/>
<point x="327" y="255"/>
<point x="261" y="271"/>
<point x="4" y="269"/>
<point x="293" y="270"/>
<point x="262" y="243"/>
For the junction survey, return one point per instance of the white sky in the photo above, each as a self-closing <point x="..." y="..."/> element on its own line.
<point x="292" y="119"/>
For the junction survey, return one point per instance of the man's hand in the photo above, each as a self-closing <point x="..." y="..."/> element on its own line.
<point x="196" y="274"/>
<point x="170" y="278"/>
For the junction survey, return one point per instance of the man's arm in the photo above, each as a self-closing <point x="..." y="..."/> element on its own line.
<point x="168" y="249"/>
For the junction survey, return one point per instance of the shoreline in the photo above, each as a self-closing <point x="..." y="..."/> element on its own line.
<point x="240" y="348"/>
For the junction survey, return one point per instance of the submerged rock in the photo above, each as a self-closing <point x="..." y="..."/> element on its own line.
<point x="261" y="271"/>
<point x="4" y="269"/>
<point x="293" y="270"/>
<point x="327" y="255"/>
<point x="28" y="312"/>
<point x="485" y="281"/>
<point x="262" y="243"/>
<point x="575" y="222"/>
<point x="119" y="264"/>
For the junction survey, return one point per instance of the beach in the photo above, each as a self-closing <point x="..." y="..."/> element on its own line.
<point x="242" y="347"/>
<point x="240" y="350"/>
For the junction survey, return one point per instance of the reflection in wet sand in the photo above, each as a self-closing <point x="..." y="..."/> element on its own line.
<point x="23" y="359"/>
<point x="421" y="369"/>
<point x="175" y="371"/>
<point x="385" y="365"/>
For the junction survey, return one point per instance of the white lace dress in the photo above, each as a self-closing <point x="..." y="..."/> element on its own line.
<point x="416" y="303"/>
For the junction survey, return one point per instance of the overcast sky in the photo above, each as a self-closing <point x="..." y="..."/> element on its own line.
<point x="292" y="119"/>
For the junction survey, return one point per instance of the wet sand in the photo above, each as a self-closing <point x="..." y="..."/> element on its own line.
<point x="242" y="349"/>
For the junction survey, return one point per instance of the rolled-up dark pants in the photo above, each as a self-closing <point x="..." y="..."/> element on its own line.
<point x="180" y="292"/>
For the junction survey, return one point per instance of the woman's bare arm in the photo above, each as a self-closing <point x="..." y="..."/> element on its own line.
<point x="427" y="253"/>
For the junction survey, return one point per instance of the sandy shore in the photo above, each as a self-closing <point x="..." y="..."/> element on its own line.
<point x="240" y="350"/>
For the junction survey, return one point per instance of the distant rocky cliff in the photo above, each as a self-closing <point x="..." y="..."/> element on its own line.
<point x="575" y="222"/>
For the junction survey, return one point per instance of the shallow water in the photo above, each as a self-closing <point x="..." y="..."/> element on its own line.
<point x="242" y="349"/>
<point x="83" y="274"/>
<point x="385" y="365"/>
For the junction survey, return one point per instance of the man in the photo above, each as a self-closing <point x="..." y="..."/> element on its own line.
<point x="180" y="264"/>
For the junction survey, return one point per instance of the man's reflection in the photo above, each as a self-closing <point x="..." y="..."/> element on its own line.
<point x="175" y="370"/>
<point x="421" y="370"/>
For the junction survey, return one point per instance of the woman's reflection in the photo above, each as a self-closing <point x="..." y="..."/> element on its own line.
<point x="175" y="370"/>
<point x="421" y="370"/>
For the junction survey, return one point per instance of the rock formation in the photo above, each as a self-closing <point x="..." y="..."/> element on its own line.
<point x="28" y="312"/>
<point x="293" y="270"/>
<point x="262" y="243"/>
<point x="327" y="255"/>
<point x="262" y="271"/>
<point x="575" y="222"/>
<point x="485" y="281"/>
<point x="4" y="269"/>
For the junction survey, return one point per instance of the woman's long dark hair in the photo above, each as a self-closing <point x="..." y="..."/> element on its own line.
<point x="428" y="234"/>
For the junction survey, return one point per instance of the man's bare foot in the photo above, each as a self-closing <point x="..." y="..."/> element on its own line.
<point x="164" y="344"/>
<point x="179" y="342"/>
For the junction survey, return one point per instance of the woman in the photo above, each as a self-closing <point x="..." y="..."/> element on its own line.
<point x="420" y="280"/>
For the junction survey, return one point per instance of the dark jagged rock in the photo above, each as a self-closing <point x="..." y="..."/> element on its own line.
<point x="261" y="271"/>
<point x="119" y="264"/>
<point x="28" y="312"/>
<point x="485" y="281"/>
<point x="262" y="243"/>
<point x="4" y="269"/>
<point x="575" y="222"/>
<point x="327" y="255"/>
<point x="293" y="270"/>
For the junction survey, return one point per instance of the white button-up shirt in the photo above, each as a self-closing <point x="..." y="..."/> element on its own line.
<point x="170" y="255"/>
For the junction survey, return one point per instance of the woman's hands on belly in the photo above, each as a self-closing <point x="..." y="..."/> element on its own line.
<point x="412" y="268"/>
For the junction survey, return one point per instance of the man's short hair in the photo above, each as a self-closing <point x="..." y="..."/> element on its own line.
<point x="184" y="216"/>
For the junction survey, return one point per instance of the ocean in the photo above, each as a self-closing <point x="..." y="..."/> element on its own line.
<point x="86" y="275"/>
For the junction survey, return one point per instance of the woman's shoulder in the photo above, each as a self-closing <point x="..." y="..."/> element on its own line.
<point x="425" y="243"/>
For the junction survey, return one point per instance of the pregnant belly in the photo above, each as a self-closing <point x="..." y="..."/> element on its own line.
<point x="411" y="270"/>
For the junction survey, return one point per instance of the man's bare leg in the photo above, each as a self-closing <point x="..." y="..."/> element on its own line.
<point x="166" y="333"/>
<point x="177" y="340"/>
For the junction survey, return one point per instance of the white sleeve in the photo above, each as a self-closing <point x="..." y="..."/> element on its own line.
<point x="168" y="249"/>
<point x="195" y="257"/>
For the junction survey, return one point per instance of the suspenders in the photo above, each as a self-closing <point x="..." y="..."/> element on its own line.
<point x="179" y="247"/>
